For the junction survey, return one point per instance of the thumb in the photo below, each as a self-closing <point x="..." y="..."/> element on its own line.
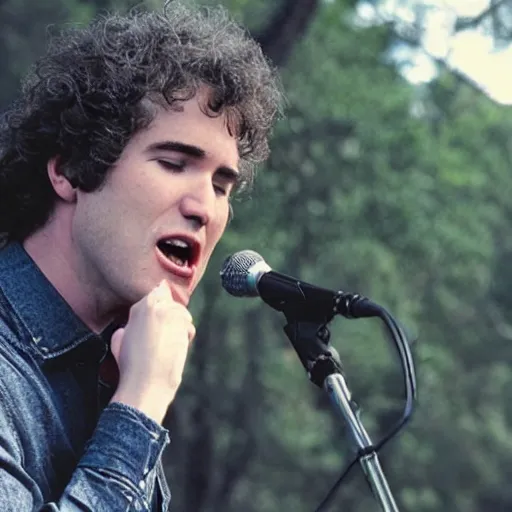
<point x="116" y="342"/>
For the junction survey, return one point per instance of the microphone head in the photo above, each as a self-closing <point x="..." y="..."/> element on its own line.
<point x="241" y="271"/>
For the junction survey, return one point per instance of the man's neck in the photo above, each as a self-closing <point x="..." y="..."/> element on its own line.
<point x="57" y="259"/>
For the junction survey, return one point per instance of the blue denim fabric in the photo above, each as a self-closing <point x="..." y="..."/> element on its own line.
<point x="62" y="446"/>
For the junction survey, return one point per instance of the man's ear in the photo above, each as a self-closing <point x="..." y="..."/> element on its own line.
<point x="59" y="182"/>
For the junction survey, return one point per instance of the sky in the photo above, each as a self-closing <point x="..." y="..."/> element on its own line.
<point x="470" y="51"/>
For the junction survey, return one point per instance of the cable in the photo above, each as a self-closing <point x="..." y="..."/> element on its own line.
<point x="330" y="495"/>
<point x="405" y="355"/>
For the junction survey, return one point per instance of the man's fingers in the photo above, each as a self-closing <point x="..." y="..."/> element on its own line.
<point x="164" y="289"/>
<point x="115" y="343"/>
<point x="191" y="333"/>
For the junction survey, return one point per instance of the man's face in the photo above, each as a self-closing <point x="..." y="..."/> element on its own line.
<point x="162" y="209"/>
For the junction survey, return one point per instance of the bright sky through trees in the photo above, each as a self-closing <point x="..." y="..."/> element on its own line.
<point x="471" y="52"/>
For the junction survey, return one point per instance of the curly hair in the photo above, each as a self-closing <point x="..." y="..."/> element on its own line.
<point x="87" y="97"/>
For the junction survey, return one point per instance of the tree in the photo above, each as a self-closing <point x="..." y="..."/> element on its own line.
<point x="374" y="186"/>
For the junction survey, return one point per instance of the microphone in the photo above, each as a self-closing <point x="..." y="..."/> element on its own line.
<point x="246" y="274"/>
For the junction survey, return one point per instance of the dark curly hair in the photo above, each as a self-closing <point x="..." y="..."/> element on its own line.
<point x="88" y="96"/>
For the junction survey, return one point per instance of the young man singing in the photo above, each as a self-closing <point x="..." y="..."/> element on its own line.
<point x="117" y="164"/>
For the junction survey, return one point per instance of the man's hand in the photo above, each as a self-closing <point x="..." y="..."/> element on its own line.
<point x="151" y="351"/>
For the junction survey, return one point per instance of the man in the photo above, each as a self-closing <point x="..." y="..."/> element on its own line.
<point x="116" y="171"/>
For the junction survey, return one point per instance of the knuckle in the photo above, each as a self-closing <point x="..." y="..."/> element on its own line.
<point x="191" y="333"/>
<point x="135" y="308"/>
<point x="181" y="312"/>
<point x="152" y="300"/>
<point x="160" y="309"/>
<point x="139" y="307"/>
<point x="185" y="313"/>
<point x="175" y="381"/>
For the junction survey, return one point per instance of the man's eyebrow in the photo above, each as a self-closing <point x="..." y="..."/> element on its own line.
<point x="196" y="152"/>
<point x="180" y="147"/>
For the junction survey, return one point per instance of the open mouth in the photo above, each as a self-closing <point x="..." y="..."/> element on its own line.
<point x="180" y="251"/>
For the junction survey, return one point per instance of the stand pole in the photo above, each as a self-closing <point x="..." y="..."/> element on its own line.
<point x="340" y="396"/>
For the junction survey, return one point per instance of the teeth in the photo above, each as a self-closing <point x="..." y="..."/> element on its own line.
<point x="177" y="242"/>
<point x="176" y="250"/>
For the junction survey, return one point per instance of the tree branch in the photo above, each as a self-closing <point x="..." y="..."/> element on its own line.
<point x="287" y="27"/>
<point x="444" y="64"/>
<point x="465" y="23"/>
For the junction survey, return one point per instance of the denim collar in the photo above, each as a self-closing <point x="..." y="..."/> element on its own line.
<point x="53" y="326"/>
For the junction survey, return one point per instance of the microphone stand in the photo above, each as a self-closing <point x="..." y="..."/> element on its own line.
<point x="339" y="394"/>
<point x="310" y="338"/>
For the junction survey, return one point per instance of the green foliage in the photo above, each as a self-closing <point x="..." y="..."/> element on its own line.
<point x="24" y="27"/>
<point x="374" y="186"/>
<point x="401" y="194"/>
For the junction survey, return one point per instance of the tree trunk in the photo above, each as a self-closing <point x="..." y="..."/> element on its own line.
<point x="286" y="28"/>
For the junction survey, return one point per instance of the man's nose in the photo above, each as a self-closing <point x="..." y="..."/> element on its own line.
<point x="198" y="203"/>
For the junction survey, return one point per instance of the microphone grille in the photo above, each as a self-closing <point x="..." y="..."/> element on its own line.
<point x="235" y="272"/>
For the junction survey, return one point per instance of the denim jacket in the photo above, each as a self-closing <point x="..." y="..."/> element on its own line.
<point x="62" y="446"/>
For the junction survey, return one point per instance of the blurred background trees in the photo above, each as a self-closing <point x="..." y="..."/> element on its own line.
<point x="397" y="190"/>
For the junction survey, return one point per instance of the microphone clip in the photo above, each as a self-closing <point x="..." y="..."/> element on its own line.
<point x="310" y="339"/>
<point x="307" y="329"/>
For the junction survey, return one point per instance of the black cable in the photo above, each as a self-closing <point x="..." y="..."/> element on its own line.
<point x="405" y="355"/>
<point x="330" y="495"/>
